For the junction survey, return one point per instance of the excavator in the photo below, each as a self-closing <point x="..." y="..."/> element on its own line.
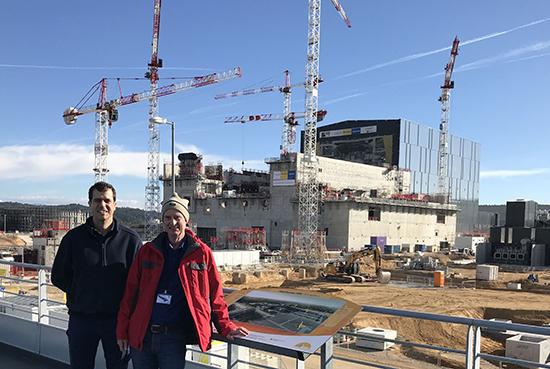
<point x="352" y="268"/>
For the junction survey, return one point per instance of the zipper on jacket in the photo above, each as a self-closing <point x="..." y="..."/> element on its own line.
<point x="104" y="253"/>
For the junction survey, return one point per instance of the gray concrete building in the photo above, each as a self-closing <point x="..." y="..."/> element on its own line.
<point x="358" y="201"/>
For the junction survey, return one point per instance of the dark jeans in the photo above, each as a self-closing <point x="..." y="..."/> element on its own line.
<point x="160" y="351"/>
<point x="85" y="332"/>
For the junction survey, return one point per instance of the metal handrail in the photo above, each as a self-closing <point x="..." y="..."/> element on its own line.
<point x="496" y="325"/>
<point x="471" y="352"/>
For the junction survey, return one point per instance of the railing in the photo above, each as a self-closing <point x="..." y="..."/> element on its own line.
<point x="238" y="351"/>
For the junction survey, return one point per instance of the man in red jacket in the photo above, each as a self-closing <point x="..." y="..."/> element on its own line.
<point x="172" y="296"/>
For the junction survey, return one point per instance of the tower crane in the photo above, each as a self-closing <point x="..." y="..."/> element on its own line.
<point x="444" y="183"/>
<point x="107" y="110"/>
<point x="288" y="138"/>
<point x="308" y="191"/>
<point x="152" y="189"/>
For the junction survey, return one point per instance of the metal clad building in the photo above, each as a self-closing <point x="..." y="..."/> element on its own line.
<point x="411" y="146"/>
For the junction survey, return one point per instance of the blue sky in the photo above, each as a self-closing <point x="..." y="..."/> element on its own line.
<point x="388" y="65"/>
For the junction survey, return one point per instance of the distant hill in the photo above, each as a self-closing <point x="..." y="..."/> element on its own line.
<point x="132" y="217"/>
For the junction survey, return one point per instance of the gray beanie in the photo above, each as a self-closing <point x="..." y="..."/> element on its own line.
<point x="176" y="203"/>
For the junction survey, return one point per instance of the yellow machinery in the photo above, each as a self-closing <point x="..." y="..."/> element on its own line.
<point x="354" y="268"/>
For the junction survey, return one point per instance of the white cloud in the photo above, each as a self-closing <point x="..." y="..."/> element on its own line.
<point x="51" y="162"/>
<point x="512" y="173"/>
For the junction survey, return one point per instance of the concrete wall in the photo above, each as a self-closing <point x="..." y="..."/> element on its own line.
<point x="224" y="213"/>
<point x="340" y="174"/>
<point x="335" y="218"/>
<point x="400" y="225"/>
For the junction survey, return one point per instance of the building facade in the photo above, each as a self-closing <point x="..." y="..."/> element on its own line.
<point x="358" y="202"/>
<point x="413" y="147"/>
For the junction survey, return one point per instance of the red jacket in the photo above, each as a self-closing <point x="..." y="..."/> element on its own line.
<point x="201" y="284"/>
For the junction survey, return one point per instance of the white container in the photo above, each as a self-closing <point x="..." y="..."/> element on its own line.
<point x="487" y="272"/>
<point x="513" y="286"/>
<point x="379" y="334"/>
<point x="528" y="347"/>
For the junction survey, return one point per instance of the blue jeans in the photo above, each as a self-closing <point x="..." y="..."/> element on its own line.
<point x="85" y="332"/>
<point x="160" y="351"/>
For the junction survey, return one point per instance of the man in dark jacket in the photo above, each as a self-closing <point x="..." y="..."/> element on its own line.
<point x="91" y="267"/>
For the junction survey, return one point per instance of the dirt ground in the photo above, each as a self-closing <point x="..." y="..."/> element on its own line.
<point x="531" y="305"/>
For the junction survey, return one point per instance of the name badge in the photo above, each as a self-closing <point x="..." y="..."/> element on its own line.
<point x="164" y="299"/>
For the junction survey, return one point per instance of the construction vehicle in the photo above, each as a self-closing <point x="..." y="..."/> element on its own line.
<point x="353" y="267"/>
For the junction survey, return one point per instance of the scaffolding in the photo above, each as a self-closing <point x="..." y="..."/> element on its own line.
<point x="244" y="238"/>
<point x="27" y="218"/>
<point x="293" y="251"/>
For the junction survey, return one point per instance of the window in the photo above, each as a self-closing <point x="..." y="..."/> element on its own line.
<point x="441" y="218"/>
<point x="374" y="214"/>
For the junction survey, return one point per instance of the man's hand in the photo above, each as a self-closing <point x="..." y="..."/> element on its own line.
<point x="122" y="345"/>
<point x="237" y="332"/>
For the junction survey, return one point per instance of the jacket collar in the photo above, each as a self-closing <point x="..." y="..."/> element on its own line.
<point x="190" y="238"/>
<point x="90" y="224"/>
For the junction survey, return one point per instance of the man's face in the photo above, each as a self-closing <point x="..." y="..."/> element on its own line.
<point x="174" y="224"/>
<point x="102" y="206"/>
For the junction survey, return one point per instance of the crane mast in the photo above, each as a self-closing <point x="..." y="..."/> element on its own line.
<point x="308" y="188"/>
<point x="101" y="145"/>
<point x="289" y="129"/>
<point x="152" y="190"/>
<point x="444" y="182"/>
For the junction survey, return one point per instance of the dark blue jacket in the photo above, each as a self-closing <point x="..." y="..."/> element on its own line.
<point x="92" y="268"/>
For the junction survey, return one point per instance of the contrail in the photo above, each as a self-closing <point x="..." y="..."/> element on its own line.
<point x="63" y="67"/>
<point x="428" y="53"/>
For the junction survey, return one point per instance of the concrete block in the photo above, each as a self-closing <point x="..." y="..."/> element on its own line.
<point x="379" y="333"/>
<point x="487" y="272"/>
<point x="259" y="274"/>
<point x="311" y="272"/>
<point x="499" y="334"/>
<point x="238" y="278"/>
<point x="528" y="347"/>
<point x="285" y="273"/>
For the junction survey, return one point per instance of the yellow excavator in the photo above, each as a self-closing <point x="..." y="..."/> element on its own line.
<point x="354" y="268"/>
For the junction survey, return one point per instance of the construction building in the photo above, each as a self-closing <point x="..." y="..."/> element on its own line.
<point x="358" y="201"/>
<point x="523" y="240"/>
<point x="411" y="147"/>
<point x="17" y="217"/>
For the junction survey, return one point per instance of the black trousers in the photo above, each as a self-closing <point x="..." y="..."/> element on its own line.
<point x="85" y="332"/>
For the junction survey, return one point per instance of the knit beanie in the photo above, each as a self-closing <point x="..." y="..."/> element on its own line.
<point x="176" y="203"/>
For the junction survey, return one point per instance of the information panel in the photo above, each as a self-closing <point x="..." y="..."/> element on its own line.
<point x="300" y="321"/>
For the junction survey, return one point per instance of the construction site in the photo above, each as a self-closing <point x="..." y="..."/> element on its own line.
<point x="381" y="212"/>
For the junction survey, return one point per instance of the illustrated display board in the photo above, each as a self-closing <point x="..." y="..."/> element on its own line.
<point x="301" y="321"/>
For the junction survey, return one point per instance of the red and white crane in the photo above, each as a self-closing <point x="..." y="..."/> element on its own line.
<point x="444" y="180"/>
<point x="308" y="189"/>
<point x="107" y="110"/>
<point x="288" y="138"/>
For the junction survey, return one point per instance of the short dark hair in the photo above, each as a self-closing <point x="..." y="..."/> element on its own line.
<point x="101" y="187"/>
